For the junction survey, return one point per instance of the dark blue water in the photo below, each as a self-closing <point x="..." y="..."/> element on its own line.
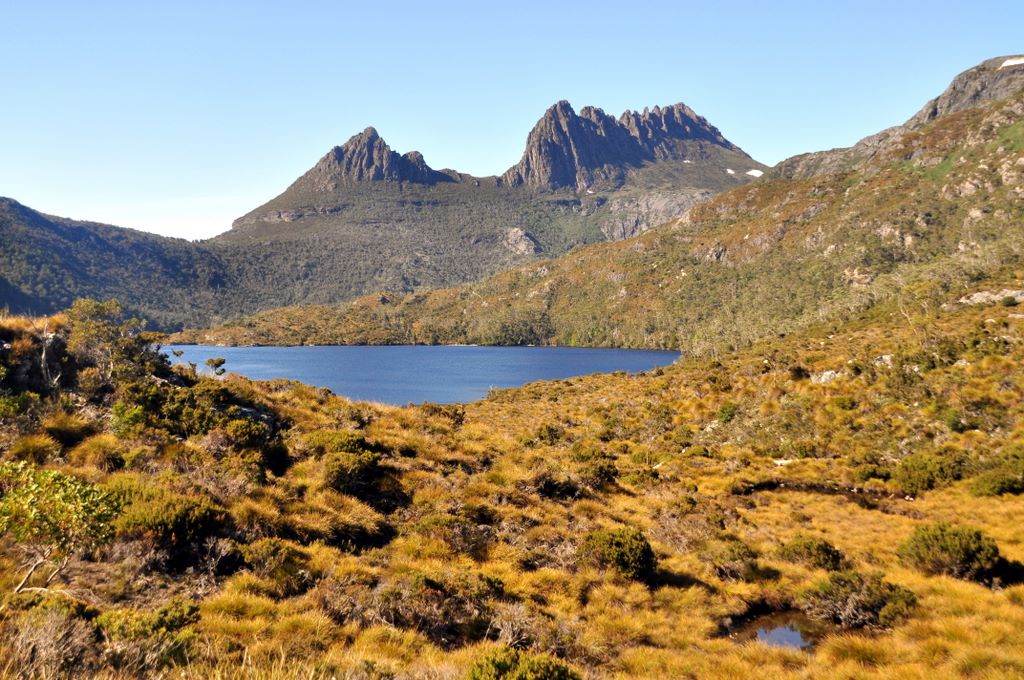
<point x="404" y="374"/>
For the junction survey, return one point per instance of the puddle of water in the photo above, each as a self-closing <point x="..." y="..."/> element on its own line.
<point x="790" y="629"/>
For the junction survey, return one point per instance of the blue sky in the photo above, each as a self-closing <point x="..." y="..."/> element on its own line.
<point x="179" y="117"/>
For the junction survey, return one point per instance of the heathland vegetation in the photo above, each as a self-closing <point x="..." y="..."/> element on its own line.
<point x="867" y="474"/>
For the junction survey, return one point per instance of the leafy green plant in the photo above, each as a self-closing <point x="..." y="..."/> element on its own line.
<point x="921" y="472"/>
<point x="55" y="516"/>
<point x="945" y="549"/>
<point x="853" y="600"/>
<point x="511" y="664"/>
<point x="625" y="551"/>
<point x="812" y="551"/>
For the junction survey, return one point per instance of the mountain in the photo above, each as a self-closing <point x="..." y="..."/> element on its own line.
<point x="566" y="150"/>
<point x="365" y="218"/>
<point x="935" y="207"/>
<point x="989" y="81"/>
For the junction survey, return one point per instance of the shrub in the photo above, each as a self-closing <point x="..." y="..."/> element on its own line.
<point x="139" y="642"/>
<point x="1010" y="301"/>
<point x="246" y="433"/>
<point x="731" y="559"/>
<point x="920" y="472"/>
<point x="282" y="562"/>
<point x="35" y="448"/>
<point x="955" y="551"/>
<point x="625" y="551"/>
<point x="103" y="451"/>
<point x="175" y="522"/>
<point x="53" y="515"/>
<point x="727" y="412"/>
<point x="549" y="434"/>
<point x="854" y="600"/>
<point x="50" y="642"/>
<point x="511" y="664"/>
<point x="350" y="472"/>
<point x="66" y="428"/>
<point x="599" y="474"/>
<point x="812" y="551"/>
<point x="1006" y="477"/>
<point x="320" y="442"/>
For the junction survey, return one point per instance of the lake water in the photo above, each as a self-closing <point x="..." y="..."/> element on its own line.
<point x="404" y="374"/>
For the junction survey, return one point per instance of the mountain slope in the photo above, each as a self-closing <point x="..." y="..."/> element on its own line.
<point x="366" y="218"/>
<point x="932" y="209"/>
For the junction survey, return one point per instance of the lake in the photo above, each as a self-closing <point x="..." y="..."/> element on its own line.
<point x="417" y="373"/>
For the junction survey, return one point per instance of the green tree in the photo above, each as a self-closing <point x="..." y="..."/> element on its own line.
<point x="53" y="515"/>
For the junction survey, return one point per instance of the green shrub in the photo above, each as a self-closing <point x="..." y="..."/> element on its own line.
<point x="625" y="551"/>
<point x="246" y="433"/>
<point x="350" y="472"/>
<point x="854" y="600"/>
<point x="812" y="551"/>
<point x="845" y="402"/>
<point x="921" y="472"/>
<point x="955" y="551"/>
<point x="321" y="442"/>
<point x="731" y="559"/>
<point x="282" y="562"/>
<point x="12" y="405"/>
<point x="599" y="474"/>
<point x="175" y="522"/>
<point x="549" y="434"/>
<point x="35" y="448"/>
<point x="957" y="421"/>
<point x="1010" y="301"/>
<point x="1006" y="477"/>
<point x="140" y="641"/>
<point x="512" y="664"/>
<point x="127" y="418"/>
<point x="727" y="412"/>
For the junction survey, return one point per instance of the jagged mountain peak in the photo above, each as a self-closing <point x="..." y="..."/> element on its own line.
<point x="366" y="157"/>
<point x="566" y="149"/>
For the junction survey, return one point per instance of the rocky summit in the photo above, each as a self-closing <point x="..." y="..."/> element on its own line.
<point x="578" y="151"/>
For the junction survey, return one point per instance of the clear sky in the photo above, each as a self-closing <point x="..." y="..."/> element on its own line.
<point x="178" y="117"/>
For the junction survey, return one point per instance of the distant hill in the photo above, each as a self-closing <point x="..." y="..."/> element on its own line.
<point x="935" y="206"/>
<point x="366" y="218"/>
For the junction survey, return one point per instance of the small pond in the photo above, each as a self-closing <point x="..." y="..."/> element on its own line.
<point x="791" y="629"/>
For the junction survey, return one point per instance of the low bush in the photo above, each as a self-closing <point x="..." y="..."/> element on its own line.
<point x="599" y="474"/>
<point x="511" y="664"/>
<point x="281" y="562"/>
<point x="1005" y="477"/>
<point x="853" y="600"/>
<point x="321" y="442"/>
<point x="140" y="641"/>
<point x="625" y="551"/>
<point x="171" y="521"/>
<point x="731" y="559"/>
<point x="944" y="549"/>
<point x="812" y="551"/>
<point x="350" y="472"/>
<point x="921" y="472"/>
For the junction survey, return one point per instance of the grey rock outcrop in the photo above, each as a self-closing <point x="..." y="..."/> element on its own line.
<point x="570" y="150"/>
<point x="366" y="157"/>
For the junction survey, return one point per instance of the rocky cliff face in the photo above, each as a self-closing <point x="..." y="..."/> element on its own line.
<point x="578" y="151"/>
<point x="367" y="158"/>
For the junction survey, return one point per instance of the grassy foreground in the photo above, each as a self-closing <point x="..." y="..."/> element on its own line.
<point x="868" y="475"/>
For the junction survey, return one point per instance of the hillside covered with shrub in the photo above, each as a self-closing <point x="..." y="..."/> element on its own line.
<point x="937" y="206"/>
<point x="865" y="474"/>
